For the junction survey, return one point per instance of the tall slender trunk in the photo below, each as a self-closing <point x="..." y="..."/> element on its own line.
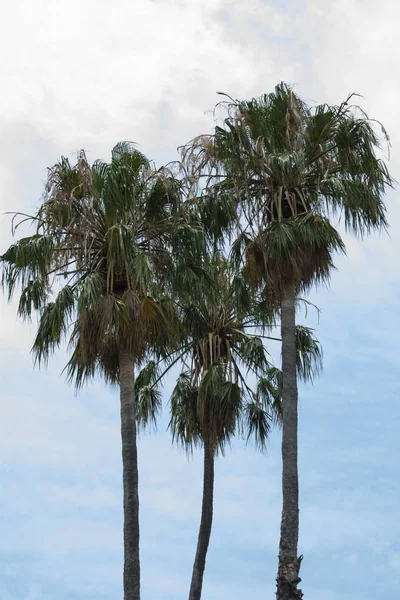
<point x="289" y="564"/>
<point x="205" y="523"/>
<point x="130" y="477"/>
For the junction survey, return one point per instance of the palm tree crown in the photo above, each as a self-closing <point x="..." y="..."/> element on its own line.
<point x="291" y="169"/>
<point x="99" y="260"/>
<point x="219" y="353"/>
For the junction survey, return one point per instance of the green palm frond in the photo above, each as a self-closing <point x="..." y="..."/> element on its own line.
<point x="148" y="395"/>
<point x="252" y="354"/>
<point x="361" y="208"/>
<point x="217" y="209"/>
<point x="184" y="424"/>
<point x="53" y="324"/>
<point x="258" y="424"/>
<point x="90" y="290"/>
<point x="33" y="297"/>
<point x="309" y="354"/>
<point x="265" y="410"/>
<point x="26" y="260"/>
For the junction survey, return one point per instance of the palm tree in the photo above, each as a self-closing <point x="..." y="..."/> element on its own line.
<point x="212" y="400"/>
<point x="290" y="169"/>
<point x="96" y="271"/>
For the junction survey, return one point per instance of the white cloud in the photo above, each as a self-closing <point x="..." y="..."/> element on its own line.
<point x="106" y="76"/>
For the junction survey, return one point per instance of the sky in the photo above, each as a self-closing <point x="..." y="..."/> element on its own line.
<point x="87" y="74"/>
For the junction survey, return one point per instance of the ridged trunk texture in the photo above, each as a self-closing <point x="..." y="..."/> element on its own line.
<point x="130" y="477"/>
<point x="205" y="523"/>
<point x="289" y="563"/>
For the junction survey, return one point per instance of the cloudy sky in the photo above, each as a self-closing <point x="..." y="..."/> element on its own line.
<point x="86" y="74"/>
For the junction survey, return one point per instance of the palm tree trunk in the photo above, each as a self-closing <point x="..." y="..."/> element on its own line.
<point x="205" y="523"/>
<point x="130" y="477"/>
<point x="289" y="564"/>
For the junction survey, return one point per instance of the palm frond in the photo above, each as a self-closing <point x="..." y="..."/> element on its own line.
<point x="53" y="324"/>
<point x="258" y="424"/>
<point x="309" y="354"/>
<point x="148" y="396"/>
<point x="184" y="424"/>
<point x="33" y="297"/>
<point x="26" y="260"/>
